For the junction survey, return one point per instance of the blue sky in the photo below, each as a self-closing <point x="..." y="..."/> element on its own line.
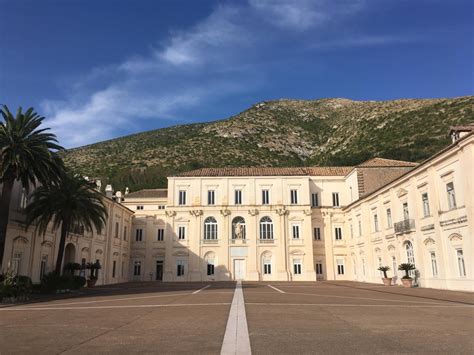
<point x="100" y="69"/>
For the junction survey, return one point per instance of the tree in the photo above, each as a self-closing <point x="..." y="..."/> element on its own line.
<point x="72" y="202"/>
<point x="384" y="269"/>
<point x="28" y="154"/>
<point x="407" y="267"/>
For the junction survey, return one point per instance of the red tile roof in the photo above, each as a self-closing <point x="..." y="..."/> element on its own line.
<point x="381" y="162"/>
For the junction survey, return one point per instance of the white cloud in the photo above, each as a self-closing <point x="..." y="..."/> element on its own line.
<point x="225" y="54"/>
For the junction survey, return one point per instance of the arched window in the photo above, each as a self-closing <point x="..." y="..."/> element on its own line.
<point x="266" y="228"/>
<point x="210" y="228"/>
<point x="238" y="228"/>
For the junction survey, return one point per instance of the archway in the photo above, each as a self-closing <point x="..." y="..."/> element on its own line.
<point x="69" y="254"/>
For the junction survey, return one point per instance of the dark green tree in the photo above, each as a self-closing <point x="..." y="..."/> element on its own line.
<point x="72" y="202"/>
<point x="28" y="154"/>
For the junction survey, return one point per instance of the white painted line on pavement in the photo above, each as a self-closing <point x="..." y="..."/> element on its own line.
<point x="197" y="291"/>
<point x="276" y="289"/>
<point x="236" y="337"/>
<point x="111" y="307"/>
<point x="112" y="300"/>
<point x="358" y="305"/>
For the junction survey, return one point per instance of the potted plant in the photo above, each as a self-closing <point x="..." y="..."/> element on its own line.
<point x="407" y="281"/>
<point x="94" y="267"/>
<point x="387" y="281"/>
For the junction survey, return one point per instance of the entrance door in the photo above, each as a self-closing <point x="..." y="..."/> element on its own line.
<point x="239" y="269"/>
<point x="159" y="270"/>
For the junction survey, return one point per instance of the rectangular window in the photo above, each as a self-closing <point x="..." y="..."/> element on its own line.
<point x="125" y="233"/>
<point x="139" y="207"/>
<point x="238" y="197"/>
<point x="317" y="233"/>
<point x="406" y="213"/>
<point x="116" y="229"/>
<point x="360" y="227"/>
<point x="434" y="264"/>
<point x="338" y="233"/>
<point x="376" y="223"/>
<point x="296" y="231"/>
<point x="23" y="199"/>
<point x="114" y="268"/>
<point x="267" y="267"/>
<point x="461" y="265"/>
<point x="335" y="199"/>
<point x="352" y="231"/>
<point x="181" y="232"/>
<point x="43" y="266"/>
<point x="426" y="204"/>
<point x="297" y="266"/>
<point x="122" y="271"/>
<point x="319" y="269"/>
<point x="451" y="195"/>
<point x="161" y="207"/>
<point x="137" y="268"/>
<point x="139" y="235"/>
<point x="294" y="197"/>
<point x="211" y="197"/>
<point x="182" y="197"/>
<point x="389" y="218"/>
<point x="340" y="266"/>
<point x="314" y="199"/>
<point x="210" y="267"/>
<point x="160" y="236"/>
<point x="265" y="197"/>
<point x="179" y="267"/>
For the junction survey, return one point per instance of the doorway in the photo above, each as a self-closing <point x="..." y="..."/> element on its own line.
<point x="239" y="269"/>
<point x="159" y="270"/>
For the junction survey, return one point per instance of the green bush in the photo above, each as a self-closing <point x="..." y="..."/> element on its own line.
<point x="78" y="282"/>
<point x="16" y="286"/>
<point x="52" y="282"/>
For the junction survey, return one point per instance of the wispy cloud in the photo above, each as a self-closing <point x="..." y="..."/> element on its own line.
<point x="223" y="55"/>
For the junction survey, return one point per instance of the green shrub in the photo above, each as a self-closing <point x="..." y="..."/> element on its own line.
<point x="78" y="282"/>
<point x="52" y="282"/>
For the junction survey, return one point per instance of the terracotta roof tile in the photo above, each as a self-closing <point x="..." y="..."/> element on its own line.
<point x="381" y="162"/>
<point x="267" y="171"/>
<point x="148" y="193"/>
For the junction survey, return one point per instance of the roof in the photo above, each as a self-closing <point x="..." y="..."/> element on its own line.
<point x="417" y="168"/>
<point x="267" y="171"/>
<point x="464" y="128"/>
<point x="386" y="163"/>
<point x="147" y="193"/>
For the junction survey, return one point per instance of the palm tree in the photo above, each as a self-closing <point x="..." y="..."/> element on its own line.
<point x="28" y="154"/>
<point x="407" y="267"/>
<point x="384" y="269"/>
<point x="71" y="202"/>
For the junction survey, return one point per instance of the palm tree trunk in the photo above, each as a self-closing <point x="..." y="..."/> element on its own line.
<point x="4" y="214"/>
<point x="62" y="244"/>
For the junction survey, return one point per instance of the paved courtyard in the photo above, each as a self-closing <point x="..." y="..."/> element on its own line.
<point x="275" y="317"/>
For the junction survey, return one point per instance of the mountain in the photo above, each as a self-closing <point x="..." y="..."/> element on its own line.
<point x="278" y="133"/>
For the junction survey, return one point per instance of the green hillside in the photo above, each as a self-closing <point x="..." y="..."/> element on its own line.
<point x="278" y="133"/>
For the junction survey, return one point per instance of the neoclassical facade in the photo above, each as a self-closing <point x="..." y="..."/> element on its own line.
<point x="332" y="223"/>
<point x="282" y="224"/>
<point x="29" y="253"/>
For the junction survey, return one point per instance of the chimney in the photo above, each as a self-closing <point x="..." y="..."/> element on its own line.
<point x="108" y="191"/>
<point x="118" y="196"/>
<point x="98" y="183"/>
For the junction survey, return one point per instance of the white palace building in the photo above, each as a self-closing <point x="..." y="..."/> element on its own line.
<point x="285" y="224"/>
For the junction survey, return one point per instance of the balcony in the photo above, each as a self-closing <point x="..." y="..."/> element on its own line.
<point x="406" y="226"/>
